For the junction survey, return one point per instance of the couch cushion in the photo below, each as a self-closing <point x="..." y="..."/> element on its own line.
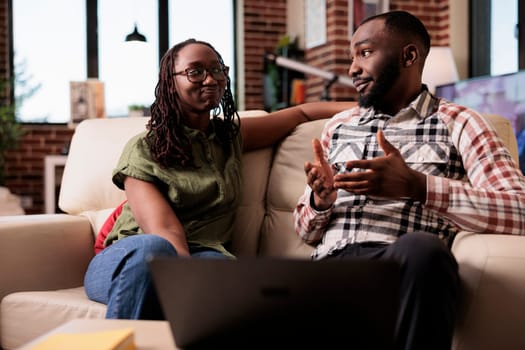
<point x="491" y="269"/>
<point x="97" y="218"/>
<point x="27" y="315"/>
<point x="506" y="132"/>
<point x="95" y="148"/>
<point x="34" y="247"/>
<point x="286" y="184"/>
<point x="251" y="211"/>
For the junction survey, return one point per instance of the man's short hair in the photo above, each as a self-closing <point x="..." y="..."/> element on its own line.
<point x="405" y="25"/>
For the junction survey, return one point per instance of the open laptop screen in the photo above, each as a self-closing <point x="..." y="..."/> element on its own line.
<point x="267" y="303"/>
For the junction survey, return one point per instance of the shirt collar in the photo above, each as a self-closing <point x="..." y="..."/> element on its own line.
<point x="424" y="105"/>
<point x="194" y="133"/>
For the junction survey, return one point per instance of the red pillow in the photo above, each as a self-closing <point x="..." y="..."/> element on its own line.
<point x="107" y="227"/>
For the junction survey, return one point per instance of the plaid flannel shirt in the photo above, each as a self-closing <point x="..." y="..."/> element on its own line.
<point x="472" y="181"/>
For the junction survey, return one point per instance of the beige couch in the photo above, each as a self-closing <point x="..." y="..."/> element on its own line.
<point x="44" y="257"/>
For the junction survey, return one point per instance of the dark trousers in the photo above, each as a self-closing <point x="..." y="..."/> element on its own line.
<point x="429" y="288"/>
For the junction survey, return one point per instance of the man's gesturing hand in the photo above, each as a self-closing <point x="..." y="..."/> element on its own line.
<point x="320" y="178"/>
<point x="387" y="176"/>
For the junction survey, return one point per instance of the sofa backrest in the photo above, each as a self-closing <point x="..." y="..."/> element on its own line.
<point x="287" y="183"/>
<point x="273" y="180"/>
<point x="95" y="149"/>
<point x="86" y="187"/>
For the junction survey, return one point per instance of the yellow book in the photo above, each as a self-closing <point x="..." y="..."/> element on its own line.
<point x="118" y="339"/>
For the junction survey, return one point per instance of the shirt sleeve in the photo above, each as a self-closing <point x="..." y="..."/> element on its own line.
<point x="135" y="161"/>
<point x="493" y="198"/>
<point x="309" y="223"/>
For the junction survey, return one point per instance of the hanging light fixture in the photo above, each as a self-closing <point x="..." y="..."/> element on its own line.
<point x="135" y="35"/>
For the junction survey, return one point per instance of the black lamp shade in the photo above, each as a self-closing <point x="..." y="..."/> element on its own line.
<point x="135" y="35"/>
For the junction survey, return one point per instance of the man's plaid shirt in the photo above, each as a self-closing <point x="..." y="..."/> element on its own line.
<point x="472" y="182"/>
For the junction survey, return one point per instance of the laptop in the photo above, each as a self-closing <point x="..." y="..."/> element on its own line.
<point x="273" y="303"/>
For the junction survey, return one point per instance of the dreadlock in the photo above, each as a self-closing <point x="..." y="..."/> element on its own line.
<point x="168" y="144"/>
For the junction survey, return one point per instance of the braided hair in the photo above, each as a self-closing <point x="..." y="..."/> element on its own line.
<point x="167" y="143"/>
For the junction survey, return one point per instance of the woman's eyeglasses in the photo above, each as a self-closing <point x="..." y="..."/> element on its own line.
<point x="198" y="75"/>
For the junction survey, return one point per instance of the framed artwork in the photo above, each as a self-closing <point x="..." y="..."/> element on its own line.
<point x="87" y="100"/>
<point x="315" y="23"/>
<point x="358" y="10"/>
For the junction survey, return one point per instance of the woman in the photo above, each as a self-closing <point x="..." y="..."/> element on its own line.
<point x="182" y="177"/>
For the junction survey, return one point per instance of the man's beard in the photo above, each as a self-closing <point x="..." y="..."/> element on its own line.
<point x="382" y="85"/>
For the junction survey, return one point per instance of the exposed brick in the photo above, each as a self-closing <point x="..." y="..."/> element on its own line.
<point x="25" y="165"/>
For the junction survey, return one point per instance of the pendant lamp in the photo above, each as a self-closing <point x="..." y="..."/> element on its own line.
<point x="135" y="35"/>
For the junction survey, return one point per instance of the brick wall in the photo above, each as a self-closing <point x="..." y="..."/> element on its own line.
<point x="433" y="13"/>
<point x="264" y="24"/>
<point x="333" y="55"/>
<point x="25" y="165"/>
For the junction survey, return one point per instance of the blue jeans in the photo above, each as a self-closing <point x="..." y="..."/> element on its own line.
<point x="120" y="278"/>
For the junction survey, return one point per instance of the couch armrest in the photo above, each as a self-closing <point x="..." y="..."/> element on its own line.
<point x="43" y="252"/>
<point x="492" y="270"/>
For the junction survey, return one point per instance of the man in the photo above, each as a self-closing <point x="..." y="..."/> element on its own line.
<point x="400" y="175"/>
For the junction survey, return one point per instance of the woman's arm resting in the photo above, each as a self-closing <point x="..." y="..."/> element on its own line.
<point x="154" y="214"/>
<point x="259" y="132"/>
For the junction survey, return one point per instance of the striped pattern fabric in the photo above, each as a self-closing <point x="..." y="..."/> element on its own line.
<point x="472" y="181"/>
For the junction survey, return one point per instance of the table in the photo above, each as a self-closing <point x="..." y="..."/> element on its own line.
<point x="149" y="335"/>
<point x="50" y="165"/>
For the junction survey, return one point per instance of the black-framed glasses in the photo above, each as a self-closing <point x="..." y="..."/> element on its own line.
<point x="198" y="75"/>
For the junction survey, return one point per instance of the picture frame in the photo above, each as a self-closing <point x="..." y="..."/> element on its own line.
<point x="358" y="10"/>
<point x="86" y="100"/>
<point x="315" y="23"/>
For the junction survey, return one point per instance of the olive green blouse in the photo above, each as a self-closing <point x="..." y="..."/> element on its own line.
<point x="204" y="197"/>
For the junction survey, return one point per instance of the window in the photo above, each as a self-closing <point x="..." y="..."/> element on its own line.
<point x="504" y="42"/>
<point x="129" y="70"/>
<point x="494" y="46"/>
<point x="48" y="56"/>
<point x="50" y="40"/>
<point x="206" y="20"/>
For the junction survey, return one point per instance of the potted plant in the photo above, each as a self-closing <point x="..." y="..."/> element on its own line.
<point x="136" y="110"/>
<point x="10" y="133"/>
<point x="277" y="85"/>
<point x="10" y="129"/>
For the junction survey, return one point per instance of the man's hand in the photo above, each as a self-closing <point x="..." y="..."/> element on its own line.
<point x="386" y="177"/>
<point x="320" y="178"/>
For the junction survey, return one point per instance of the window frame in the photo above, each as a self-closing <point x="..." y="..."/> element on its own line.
<point x="92" y="34"/>
<point x="92" y="52"/>
<point x="480" y="37"/>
